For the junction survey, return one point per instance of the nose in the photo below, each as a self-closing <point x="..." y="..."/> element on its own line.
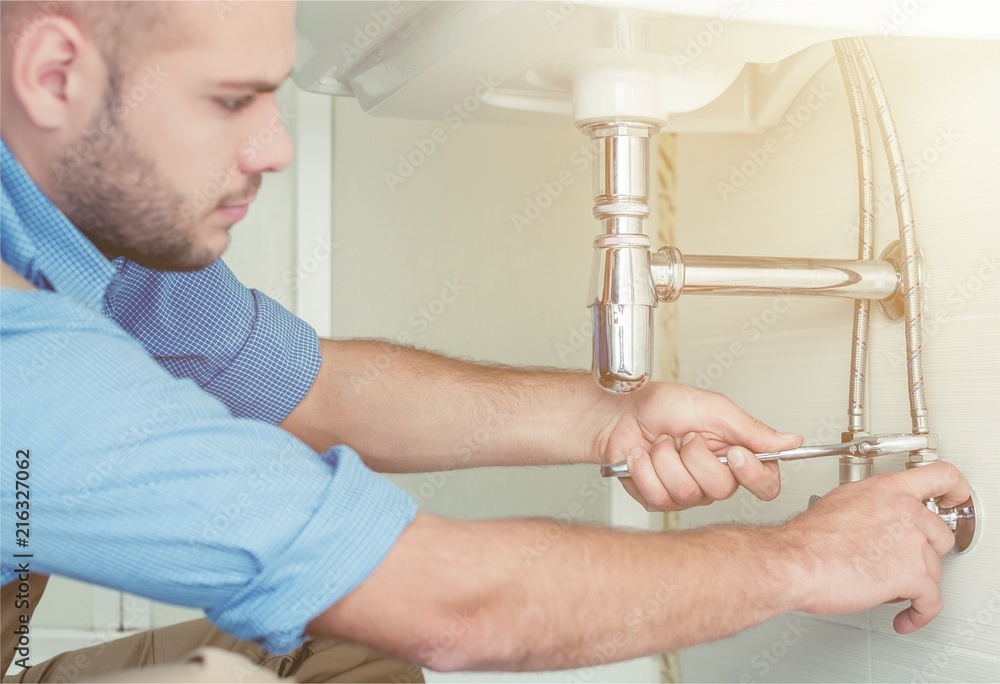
<point x="268" y="148"/>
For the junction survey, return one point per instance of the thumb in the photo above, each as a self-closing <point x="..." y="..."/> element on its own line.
<point x="773" y="440"/>
<point x="739" y="427"/>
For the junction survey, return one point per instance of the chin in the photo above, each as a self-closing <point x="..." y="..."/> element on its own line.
<point x="214" y="249"/>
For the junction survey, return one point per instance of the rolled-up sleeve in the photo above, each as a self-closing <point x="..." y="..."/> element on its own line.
<point x="142" y="482"/>
<point x="237" y="343"/>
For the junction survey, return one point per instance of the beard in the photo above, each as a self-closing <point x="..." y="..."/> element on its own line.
<point x="118" y="197"/>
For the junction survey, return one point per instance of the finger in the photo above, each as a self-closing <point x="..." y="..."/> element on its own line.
<point x="675" y="477"/>
<point x="738" y="427"/>
<point x="932" y="560"/>
<point x="646" y="482"/>
<point x="938" y="534"/>
<point x="711" y="475"/>
<point x="763" y="480"/>
<point x="633" y="491"/>
<point x="938" y="480"/>
<point x="923" y="608"/>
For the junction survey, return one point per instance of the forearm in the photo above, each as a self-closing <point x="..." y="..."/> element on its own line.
<point x="408" y="410"/>
<point x="535" y="595"/>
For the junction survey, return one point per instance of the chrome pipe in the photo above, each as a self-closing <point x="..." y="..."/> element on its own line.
<point x="674" y="273"/>
<point x="853" y="469"/>
<point x="621" y="172"/>
<point x="621" y="292"/>
<point x="866" y="229"/>
<point x="909" y="272"/>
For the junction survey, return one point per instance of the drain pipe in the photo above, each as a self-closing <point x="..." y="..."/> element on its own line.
<point x="621" y="289"/>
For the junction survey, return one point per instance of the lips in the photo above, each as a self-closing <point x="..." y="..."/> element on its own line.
<point x="236" y="209"/>
<point x="234" y="212"/>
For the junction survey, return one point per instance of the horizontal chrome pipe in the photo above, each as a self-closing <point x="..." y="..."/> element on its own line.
<point x="674" y="273"/>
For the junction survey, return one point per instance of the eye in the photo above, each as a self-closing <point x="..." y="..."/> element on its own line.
<point x="234" y="104"/>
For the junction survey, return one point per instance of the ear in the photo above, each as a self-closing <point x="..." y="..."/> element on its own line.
<point x="58" y="75"/>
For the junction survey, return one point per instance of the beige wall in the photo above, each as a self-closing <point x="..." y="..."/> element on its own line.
<point x="791" y="365"/>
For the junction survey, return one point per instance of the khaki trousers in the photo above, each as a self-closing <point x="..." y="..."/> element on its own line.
<point x="198" y="652"/>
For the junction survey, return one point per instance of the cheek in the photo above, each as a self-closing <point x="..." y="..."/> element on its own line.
<point x="192" y="146"/>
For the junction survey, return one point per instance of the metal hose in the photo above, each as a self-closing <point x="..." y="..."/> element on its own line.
<point x="910" y="278"/>
<point x="866" y="225"/>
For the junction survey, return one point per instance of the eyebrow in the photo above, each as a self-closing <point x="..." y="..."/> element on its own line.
<point x="256" y="85"/>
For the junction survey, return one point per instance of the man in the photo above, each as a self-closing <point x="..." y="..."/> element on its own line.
<point x="142" y="386"/>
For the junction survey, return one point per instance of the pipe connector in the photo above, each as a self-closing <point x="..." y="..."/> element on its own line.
<point x="855" y="468"/>
<point x="621" y="303"/>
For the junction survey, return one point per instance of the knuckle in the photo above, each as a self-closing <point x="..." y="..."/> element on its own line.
<point x="687" y="493"/>
<point x="723" y="489"/>
<point x="950" y="475"/>
<point x="915" y="537"/>
<point x="658" y="500"/>
<point x="764" y="485"/>
<point x="663" y="449"/>
<point x="770" y="491"/>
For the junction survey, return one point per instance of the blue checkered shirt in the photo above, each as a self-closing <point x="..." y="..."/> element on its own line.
<point x="146" y="402"/>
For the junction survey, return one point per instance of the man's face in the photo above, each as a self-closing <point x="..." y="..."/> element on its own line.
<point x="177" y="154"/>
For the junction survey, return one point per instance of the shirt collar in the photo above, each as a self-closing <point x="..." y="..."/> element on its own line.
<point x="43" y="245"/>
